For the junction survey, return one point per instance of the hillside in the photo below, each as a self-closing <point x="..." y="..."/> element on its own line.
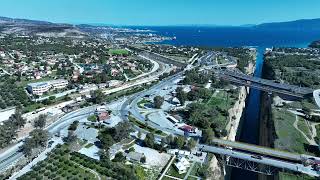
<point x="315" y="44"/>
<point x="303" y="24"/>
<point x="41" y="28"/>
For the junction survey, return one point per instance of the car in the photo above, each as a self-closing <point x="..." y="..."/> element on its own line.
<point x="256" y="157"/>
<point x="50" y="143"/>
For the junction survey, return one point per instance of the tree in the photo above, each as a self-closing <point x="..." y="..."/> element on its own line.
<point x="17" y="118"/>
<point x="179" y="141"/>
<point x="40" y="137"/>
<point x="122" y="131"/>
<point x="181" y="95"/>
<point x="27" y="147"/>
<point x="149" y="140"/>
<point x="51" y="98"/>
<point x="40" y="122"/>
<point x="106" y="140"/>
<point x="70" y="138"/>
<point x="119" y="157"/>
<point x="73" y="126"/>
<point x="104" y="157"/>
<point x="131" y="149"/>
<point x="207" y="136"/>
<point x="158" y="101"/>
<point x="97" y="96"/>
<point x="191" y="144"/>
<point x="169" y="139"/>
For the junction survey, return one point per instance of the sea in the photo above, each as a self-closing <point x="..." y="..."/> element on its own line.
<point x="236" y="37"/>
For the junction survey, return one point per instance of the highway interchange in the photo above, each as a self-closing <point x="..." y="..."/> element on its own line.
<point x="12" y="155"/>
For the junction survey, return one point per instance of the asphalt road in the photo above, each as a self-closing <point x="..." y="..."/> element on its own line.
<point x="12" y="155"/>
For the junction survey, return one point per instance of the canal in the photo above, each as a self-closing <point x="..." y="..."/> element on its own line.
<point x="250" y="125"/>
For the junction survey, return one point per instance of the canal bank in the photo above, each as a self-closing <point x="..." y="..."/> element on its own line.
<point x="248" y="131"/>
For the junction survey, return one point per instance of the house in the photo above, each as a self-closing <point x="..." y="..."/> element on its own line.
<point x="179" y="153"/>
<point x="134" y="156"/>
<point x="187" y="128"/>
<point x="182" y="165"/>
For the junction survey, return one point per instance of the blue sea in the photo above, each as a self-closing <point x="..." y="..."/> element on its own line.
<point x="235" y="36"/>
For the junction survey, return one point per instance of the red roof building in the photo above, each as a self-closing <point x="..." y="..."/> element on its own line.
<point x="187" y="128"/>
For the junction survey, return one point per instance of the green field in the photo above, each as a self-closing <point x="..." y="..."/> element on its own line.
<point x="173" y="172"/>
<point x="118" y="52"/>
<point x="288" y="176"/>
<point x="302" y="125"/>
<point x="289" y="139"/>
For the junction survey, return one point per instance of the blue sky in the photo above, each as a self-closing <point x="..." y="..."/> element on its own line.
<point x="162" y="12"/>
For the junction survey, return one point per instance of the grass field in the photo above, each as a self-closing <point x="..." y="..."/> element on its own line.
<point x="118" y="52"/>
<point x="289" y="138"/>
<point x="142" y="103"/>
<point x="173" y="172"/>
<point x="304" y="127"/>
<point x="288" y="176"/>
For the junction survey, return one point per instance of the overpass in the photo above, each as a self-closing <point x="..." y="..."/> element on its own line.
<point x="264" y="84"/>
<point x="259" y="159"/>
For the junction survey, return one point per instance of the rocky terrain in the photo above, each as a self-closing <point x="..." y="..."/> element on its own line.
<point x="40" y="28"/>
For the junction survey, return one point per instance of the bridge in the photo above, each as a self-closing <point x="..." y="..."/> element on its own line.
<point x="259" y="159"/>
<point x="264" y="84"/>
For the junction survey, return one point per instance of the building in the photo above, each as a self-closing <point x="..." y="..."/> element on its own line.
<point x="188" y="129"/>
<point x="134" y="156"/>
<point x="182" y="165"/>
<point x="38" y="88"/>
<point x="42" y="87"/>
<point x="58" y="84"/>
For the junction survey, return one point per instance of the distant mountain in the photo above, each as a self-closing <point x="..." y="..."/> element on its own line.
<point x="303" y="24"/>
<point x="315" y="44"/>
<point x="41" y="28"/>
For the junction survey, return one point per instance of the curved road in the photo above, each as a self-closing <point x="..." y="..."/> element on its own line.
<point x="13" y="154"/>
<point x="316" y="96"/>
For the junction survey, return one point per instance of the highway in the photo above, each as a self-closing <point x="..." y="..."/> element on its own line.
<point x="265" y="85"/>
<point x="130" y="105"/>
<point x="12" y="155"/>
<point x="277" y="156"/>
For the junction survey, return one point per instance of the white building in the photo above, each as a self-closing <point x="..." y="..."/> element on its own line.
<point x="41" y="87"/>
<point x="182" y="165"/>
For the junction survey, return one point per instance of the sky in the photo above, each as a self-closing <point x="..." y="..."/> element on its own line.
<point x="161" y="12"/>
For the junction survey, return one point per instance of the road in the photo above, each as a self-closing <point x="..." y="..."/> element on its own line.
<point x="131" y="106"/>
<point x="13" y="154"/>
<point x="316" y="96"/>
<point x="268" y="83"/>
